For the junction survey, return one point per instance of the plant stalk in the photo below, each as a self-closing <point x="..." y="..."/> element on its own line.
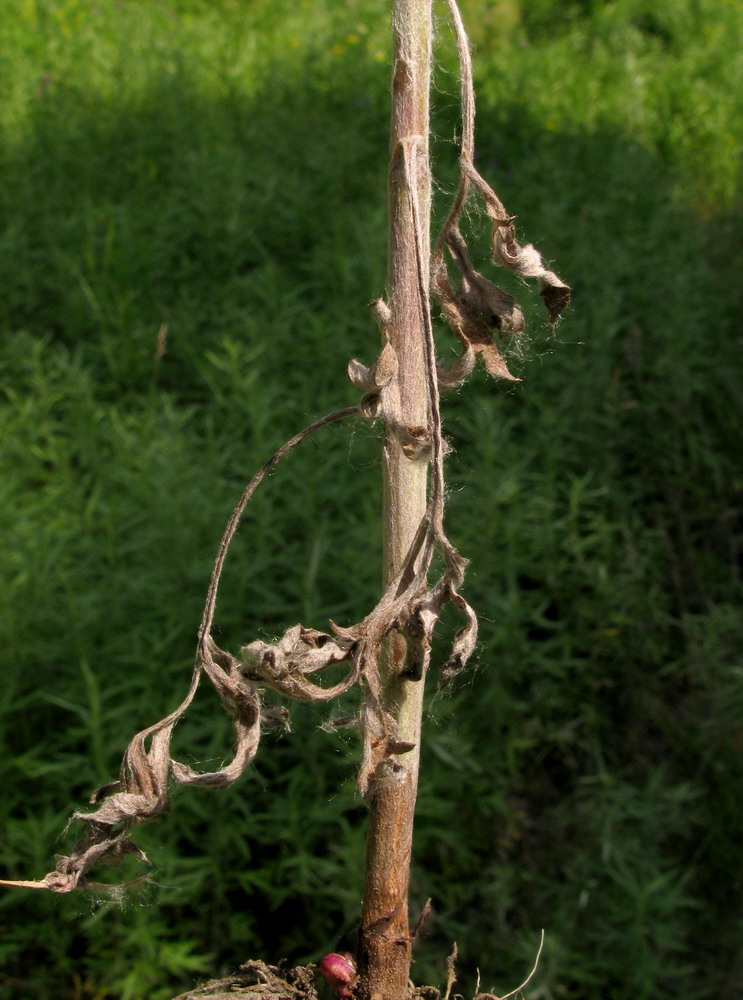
<point x="385" y="944"/>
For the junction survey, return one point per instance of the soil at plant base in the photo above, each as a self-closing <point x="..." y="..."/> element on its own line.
<point x="269" y="982"/>
<point x="260" y="981"/>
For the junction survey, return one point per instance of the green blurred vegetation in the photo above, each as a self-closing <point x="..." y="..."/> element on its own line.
<point x="192" y="198"/>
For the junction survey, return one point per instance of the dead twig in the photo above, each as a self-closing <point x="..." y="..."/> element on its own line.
<point x="513" y="993"/>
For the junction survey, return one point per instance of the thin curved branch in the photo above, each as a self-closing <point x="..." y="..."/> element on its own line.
<point x="229" y="532"/>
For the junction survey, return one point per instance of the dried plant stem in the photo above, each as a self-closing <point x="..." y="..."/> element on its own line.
<point x="385" y="936"/>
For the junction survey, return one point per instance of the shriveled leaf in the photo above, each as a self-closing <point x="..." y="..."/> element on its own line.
<point x="475" y="310"/>
<point x="284" y="665"/>
<point x="496" y="363"/>
<point x="359" y="375"/>
<point x="464" y="643"/>
<point x="457" y="373"/>
<point x="386" y="366"/>
<point x="526" y="261"/>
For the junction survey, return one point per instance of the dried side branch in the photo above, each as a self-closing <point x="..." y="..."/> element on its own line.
<point x="479" y="309"/>
<point x="141" y="793"/>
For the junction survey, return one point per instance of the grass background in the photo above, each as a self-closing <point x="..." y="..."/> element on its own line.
<point x="192" y="198"/>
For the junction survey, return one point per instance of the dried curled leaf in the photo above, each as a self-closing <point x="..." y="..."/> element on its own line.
<point x="429" y="610"/>
<point x="486" y="303"/>
<point x="107" y="849"/>
<point x="141" y="793"/>
<point x="373" y="380"/>
<point x="526" y="261"/>
<point x="379" y="374"/>
<point x="473" y="312"/>
<point x="464" y="643"/>
<point x="382" y="313"/>
<point x="458" y="372"/>
<point x="284" y="665"/>
<point x="417" y="626"/>
<point x="360" y="376"/>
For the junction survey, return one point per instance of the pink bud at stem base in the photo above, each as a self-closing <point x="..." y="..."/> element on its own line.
<point x="339" y="968"/>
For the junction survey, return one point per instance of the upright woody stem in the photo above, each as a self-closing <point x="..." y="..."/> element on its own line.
<point x="385" y="946"/>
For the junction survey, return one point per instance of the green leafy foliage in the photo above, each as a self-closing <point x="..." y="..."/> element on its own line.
<point x="193" y="205"/>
